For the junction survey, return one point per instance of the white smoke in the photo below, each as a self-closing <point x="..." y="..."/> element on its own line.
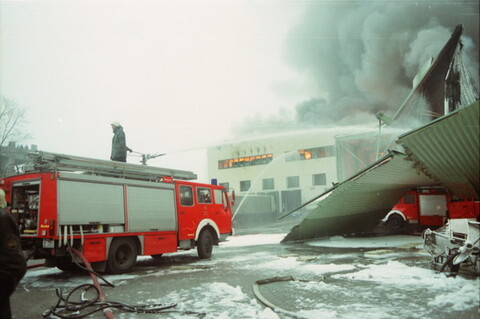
<point x="363" y="56"/>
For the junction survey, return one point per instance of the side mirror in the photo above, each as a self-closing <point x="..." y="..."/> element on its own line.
<point x="233" y="198"/>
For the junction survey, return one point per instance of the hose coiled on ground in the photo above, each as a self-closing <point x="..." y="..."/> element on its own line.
<point x="67" y="307"/>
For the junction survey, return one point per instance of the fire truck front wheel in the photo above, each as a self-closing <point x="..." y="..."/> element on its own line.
<point x="122" y="256"/>
<point x="395" y="222"/>
<point x="205" y="244"/>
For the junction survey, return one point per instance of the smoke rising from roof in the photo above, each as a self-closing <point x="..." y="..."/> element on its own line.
<point x="362" y="57"/>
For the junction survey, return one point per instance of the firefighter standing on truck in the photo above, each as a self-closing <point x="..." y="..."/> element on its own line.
<point x="119" y="144"/>
<point x="12" y="262"/>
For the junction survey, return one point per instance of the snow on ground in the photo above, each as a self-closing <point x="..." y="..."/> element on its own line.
<point x="388" y="282"/>
<point x="398" y="274"/>
<point x="369" y="242"/>
<point x="216" y="300"/>
<point x="251" y="240"/>
<point x="286" y="264"/>
<point x="464" y="298"/>
<point x="33" y="273"/>
<point x="455" y="293"/>
<point x="66" y="280"/>
<point x="388" y="272"/>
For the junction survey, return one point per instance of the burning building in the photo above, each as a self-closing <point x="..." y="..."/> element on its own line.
<point x="277" y="172"/>
<point x="294" y="170"/>
<point x="444" y="151"/>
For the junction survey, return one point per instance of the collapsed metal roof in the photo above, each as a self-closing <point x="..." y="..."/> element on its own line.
<point x="445" y="151"/>
<point x="448" y="149"/>
<point x="442" y="86"/>
<point x="357" y="204"/>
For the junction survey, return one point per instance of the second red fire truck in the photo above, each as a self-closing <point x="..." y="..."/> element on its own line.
<point x="112" y="212"/>
<point x="429" y="207"/>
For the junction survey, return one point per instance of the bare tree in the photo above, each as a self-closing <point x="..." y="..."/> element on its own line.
<point x="12" y="121"/>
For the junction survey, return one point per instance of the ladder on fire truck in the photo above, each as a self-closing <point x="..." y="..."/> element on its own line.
<point x="45" y="161"/>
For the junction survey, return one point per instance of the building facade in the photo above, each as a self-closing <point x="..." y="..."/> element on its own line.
<point x="291" y="168"/>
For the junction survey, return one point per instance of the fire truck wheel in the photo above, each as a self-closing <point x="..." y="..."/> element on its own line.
<point x="205" y="244"/>
<point x="122" y="256"/>
<point x="395" y="222"/>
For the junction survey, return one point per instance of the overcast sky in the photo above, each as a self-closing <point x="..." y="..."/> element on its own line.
<point x="182" y="75"/>
<point x="176" y="74"/>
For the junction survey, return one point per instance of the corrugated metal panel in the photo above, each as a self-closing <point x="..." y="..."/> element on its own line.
<point x="359" y="203"/>
<point x="449" y="150"/>
<point x="427" y="99"/>
<point x="446" y="86"/>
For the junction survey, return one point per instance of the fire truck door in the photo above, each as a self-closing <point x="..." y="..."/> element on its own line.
<point x="188" y="216"/>
<point x="222" y="213"/>
<point x="409" y="206"/>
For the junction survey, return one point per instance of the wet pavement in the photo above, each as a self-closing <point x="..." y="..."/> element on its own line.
<point x="373" y="277"/>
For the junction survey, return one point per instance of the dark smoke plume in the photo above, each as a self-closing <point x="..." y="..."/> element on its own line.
<point x="363" y="55"/>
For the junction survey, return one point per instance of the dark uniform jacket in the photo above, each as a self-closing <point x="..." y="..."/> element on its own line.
<point x="12" y="263"/>
<point x="119" y="145"/>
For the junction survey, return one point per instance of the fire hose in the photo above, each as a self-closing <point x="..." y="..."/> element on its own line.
<point x="266" y="302"/>
<point x="101" y="296"/>
<point x="66" y="308"/>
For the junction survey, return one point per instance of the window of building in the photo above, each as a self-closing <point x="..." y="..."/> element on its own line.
<point x="245" y="186"/>
<point x="204" y="195"/>
<point x="186" y="196"/>
<point x="245" y="161"/>
<point x="293" y="181"/>
<point x="268" y="183"/>
<point x="319" y="179"/>
<point x="292" y="156"/>
<point x="226" y="185"/>
<point x="311" y="153"/>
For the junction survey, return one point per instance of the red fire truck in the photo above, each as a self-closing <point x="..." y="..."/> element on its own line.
<point x="429" y="207"/>
<point x="112" y="211"/>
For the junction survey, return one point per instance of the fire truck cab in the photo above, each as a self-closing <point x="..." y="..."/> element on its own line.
<point x="113" y="211"/>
